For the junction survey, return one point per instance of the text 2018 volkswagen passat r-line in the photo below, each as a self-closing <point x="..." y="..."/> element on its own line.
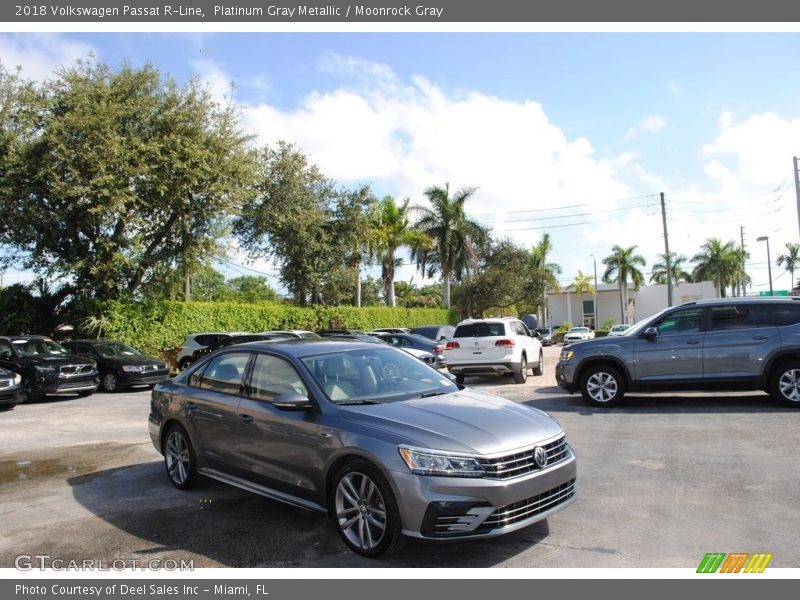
<point x="386" y="445"/>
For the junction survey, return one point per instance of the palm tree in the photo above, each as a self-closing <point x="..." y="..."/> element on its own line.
<point x="393" y="231"/>
<point x="623" y="265"/>
<point x="791" y="260"/>
<point x="677" y="271"/>
<point x="456" y="238"/>
<point x="544" y="274"/>
<point x="582" y="284"/>
<point x="717" y="262"/>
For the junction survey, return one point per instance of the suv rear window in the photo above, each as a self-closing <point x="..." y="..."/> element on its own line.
<point x="783" y="315"/>
<point x="480" y="330"/>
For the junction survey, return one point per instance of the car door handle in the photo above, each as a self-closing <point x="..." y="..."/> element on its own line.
<point x="246" y="419"/>
<point x="191" y="406"/>
<point x="694" y="342"/>
<point x="761" y="338"/>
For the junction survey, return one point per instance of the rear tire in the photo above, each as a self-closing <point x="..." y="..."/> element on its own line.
<point x="538" y="370"/>
<point x="179" y="458"/>
<point x="602" y="385"/>
<point x="521" y="376"/>
<point x="785" y="384"/>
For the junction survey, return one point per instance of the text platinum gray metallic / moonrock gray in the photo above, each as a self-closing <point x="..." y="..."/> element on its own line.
<point x="384" y="444"/>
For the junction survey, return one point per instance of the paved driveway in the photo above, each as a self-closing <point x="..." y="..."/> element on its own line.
<point x="662" y="480"/>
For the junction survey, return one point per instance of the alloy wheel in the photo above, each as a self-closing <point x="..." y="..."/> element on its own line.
<point x="360" y="511"/>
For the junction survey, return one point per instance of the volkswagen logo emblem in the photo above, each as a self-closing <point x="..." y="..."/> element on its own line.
<point x="540" y="457"/>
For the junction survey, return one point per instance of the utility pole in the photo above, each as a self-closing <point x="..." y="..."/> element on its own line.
<point x="797" y="189"/>
<point x="666" y="249"/>
<point x="742" y="281"/>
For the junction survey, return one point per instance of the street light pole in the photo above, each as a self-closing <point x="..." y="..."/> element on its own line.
<point x="594" y="260"/>
<point x="765" y="238"/>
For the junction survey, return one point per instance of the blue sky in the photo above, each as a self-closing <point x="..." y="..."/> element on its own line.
<point x="571" y="127"/>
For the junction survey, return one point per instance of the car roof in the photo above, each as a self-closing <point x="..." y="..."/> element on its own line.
<point x="28" y="337"/>
<point x="300" y="348"/>
<point x="725" y="301"/>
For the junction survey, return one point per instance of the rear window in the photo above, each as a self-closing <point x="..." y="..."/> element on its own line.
<point x="783" y="315"/>
<point x="480" y="330"/>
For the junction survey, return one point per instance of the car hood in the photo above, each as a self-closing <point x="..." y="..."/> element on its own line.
<point x="469" y="421"/>
<point x="138" y="361"/>
<point x="45" y="360"/>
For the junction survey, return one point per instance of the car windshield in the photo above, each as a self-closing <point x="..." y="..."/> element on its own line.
<point x="579" y="330"/>
<point x="116" y="349"/>
<point x="375" y="375"/>
<point x="39" y="347"/>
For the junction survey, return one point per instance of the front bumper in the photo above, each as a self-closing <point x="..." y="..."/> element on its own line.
<point x="565" y="377"/>
<point x="134" y="378"/>
<point x="10" y="396"/>
<point x="446" y="508"/>
<point x="68" y="386"/>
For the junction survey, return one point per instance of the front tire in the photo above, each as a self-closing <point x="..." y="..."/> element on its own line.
<point x="785" y="384"/>
<point x="521" y="376"/>
<point x="179" y="458"/>
<point x="29" y="391"/>
<point x="602" y="386"/>
<point x="110" y="382"/>
<point x="365" y="509"/>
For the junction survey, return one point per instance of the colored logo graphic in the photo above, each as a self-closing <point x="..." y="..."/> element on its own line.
<point x="738" y="562"/>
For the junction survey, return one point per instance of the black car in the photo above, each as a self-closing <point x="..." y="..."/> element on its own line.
<point x="47" y="368"/>
<point x="10" y="388"/>
<point x="120" y="365"/>
<point x="435" y="332"/>
<point x="239" y="339"/>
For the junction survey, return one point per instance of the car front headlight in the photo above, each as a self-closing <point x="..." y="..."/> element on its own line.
<point x="566" y="356"/>
<point x="431" y="462"/>
<point x="132" y="369"/>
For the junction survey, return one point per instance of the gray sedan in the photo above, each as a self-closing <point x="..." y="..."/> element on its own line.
<point x="388" y="454"/>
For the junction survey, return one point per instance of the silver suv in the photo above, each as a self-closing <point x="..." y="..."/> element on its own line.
<point x="723" y="344"/>
<point x="494" y="347"/>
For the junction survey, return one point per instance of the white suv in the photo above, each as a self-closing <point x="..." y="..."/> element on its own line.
<point x="494" y="347"/>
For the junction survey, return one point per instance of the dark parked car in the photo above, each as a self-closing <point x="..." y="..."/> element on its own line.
<point x="724" y="344"/>
<point x="121" y="366"/>
<point x="545" y="336"/>
<point x="418" y="342"/>
<point x="47" y="368"/>
<point x="435" y="332"/>
<point x="238" y="339"/>
<point x="10" y="388"/>
<point x="319" y="424"/>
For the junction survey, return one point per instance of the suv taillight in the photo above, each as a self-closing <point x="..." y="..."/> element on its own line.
<point x="504" y="343"/>
<point x="452" y="346"/>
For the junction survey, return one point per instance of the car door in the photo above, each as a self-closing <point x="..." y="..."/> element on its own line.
<point x="675" y="353"/>
<point x="530" y="343"/>
<point x="212" y="409"/>
<point x="279" y="448"/>
<point x="739" y="339"/>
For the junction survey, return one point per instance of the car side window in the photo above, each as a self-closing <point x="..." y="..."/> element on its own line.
<point x="739" y="316"/>
<point x="273" y="376"/>
<point x="224" y="373"/>
<point x="5" y="350"/>
<point x="784" y="315"/>
<point x="688" y="320"/>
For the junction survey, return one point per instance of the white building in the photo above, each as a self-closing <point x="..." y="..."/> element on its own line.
<point x="566" y="305"/>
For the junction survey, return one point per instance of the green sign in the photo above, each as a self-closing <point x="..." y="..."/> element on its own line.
<point x="775" y="293"/>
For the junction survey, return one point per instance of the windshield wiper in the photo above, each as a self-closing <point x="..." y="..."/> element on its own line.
<point x="431" y="394"/>
<point x="358" y="402"/>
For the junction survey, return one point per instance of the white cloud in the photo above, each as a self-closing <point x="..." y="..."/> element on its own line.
<point x="219" y="85"/>
<point x="651" y="124"/>
<point x="39" y="54"/>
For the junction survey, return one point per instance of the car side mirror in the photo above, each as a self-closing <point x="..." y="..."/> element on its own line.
<point x="650" y="333"/>
<point x="292" y="401"/>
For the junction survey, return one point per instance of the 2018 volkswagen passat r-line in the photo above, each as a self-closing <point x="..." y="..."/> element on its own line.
<point x="386" y="445"/>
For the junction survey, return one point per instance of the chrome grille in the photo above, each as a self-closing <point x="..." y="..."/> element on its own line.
<point x="76" y="369"/>
<point x="519" y="511"/>
<point x="520" y="463"/>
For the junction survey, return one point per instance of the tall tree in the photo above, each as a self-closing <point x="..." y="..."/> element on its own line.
<point x="790" y="261"/>
<point x="623" y="265"/>
<point x="717" y="262"/>
<point x="291" y="221"/>
<point x="355" y="218"/>
<point x="678" y="272"/>
<point x="543" y="274"/>
<point x="110" y="173"/>
<point x="394" y="231"/>
<point x="456" y="238"/>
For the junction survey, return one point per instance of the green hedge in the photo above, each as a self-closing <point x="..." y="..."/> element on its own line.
<point x="159" y="327"/>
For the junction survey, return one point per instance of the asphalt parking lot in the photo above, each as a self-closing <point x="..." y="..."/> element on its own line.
<point x="662" y="480"/>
